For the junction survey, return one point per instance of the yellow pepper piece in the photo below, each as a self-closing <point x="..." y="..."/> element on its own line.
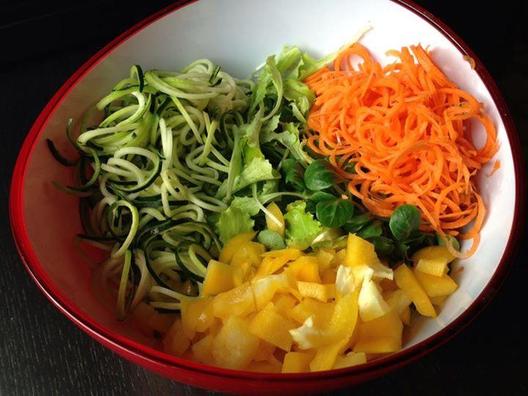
<point x="233" y="245"/>
<point x="406" y="281"/>
<point x="305" y="268"/>
<point x="218" y="278"/>
<point x="297" y="362"/>
<point x="264" y="351"/>
<point x="340" y="327"/>
<point x="235" y="302"/>
<point x="370" y="301"/>
<point x="248" y="252"/>
<point x="433" y="253"/>
<point x="405" y="316"/>
<point x="339" y="258"/>
<point x="325" y="357"/>
<point x="321" y="292"/>
<point x="264" y="289"/>
<point x="271" y="326"/>
<point x="381" y="335"/>
<point x="242" y="273"/>
<point x="321" y="312"/>
<point x="201" y="350"/>
<point x="329" y="275"/>
<point x="439" y="300"/>
<point x="325" y="257"/>
<point x="277" y="222"/>
<point x="175" y="342"/>
<point x="276" y="259"/>
<point x="234" y="346"/>
<point x="360" y="252"/>
<point x="397" y="300"/>
<point x="350" y="359"/>
<point x="265" y="367"/>
<point x="196" y="315"/>
<point x="436" y="286"/>
<point x="284" y="303"/>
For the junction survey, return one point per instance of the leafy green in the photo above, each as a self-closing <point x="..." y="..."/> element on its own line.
<point x="292" y="172"/>
<point x="246" y="204"/>
<point x="384" y="246"/>
<point x="372" y="230"/>
<point x="271" y="239"/>
<point x="356" y="223"/>
<point x="301" y="227"/>
<point x="317" y="197"/>
<point x="404" y="221"/>
<point x="233" y="221"/>
<point x="290" y="139"/>
<point x="334" y="212"/>
<point x="318" y="175"/>
<point x="259" y="169"/>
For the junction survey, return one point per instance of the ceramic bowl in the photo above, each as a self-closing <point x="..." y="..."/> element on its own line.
<point x="239" y="35"/>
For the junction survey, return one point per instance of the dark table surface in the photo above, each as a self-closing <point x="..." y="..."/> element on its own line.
<point x="41" y="352"/>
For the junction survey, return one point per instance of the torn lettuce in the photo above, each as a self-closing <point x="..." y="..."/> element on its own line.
<point x="301" y="227"/>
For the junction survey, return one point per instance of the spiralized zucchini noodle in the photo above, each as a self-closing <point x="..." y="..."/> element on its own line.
<point x="160" y="166"/>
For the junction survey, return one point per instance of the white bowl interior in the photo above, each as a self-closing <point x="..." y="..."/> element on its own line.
<point x="239" y="36"/>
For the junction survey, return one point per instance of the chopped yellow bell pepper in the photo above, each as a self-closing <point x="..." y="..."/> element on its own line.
<point x="381" y="335"/>
<point x="434" y="257"/>
<point x="360" y="252"/>
<point x="264" y="289"/>
<point x="325" y="257"/>
<point x="233" y="245"/>
<point x="265" y="367"/>
<point x="202" y="350"/>
<point x="175" y="342"/>
<point x="276" y="259"/>
<point x="321" y="312"/>
<point x="321" y="292"/>
<point x="329" y="275"/>
<point x="234" y="346"/>
<point x="235" y="302"/>
<point x="264" y="351"/>
<point x="436" y="286"/>
<point x="406" y="281"/>
<point x="405" y="316"/>
<point x="242" y="272"/>
<point x="196" y="315"/>
<point x="248" y="252"/>
<point x="271" y="326"/>
<point x="370" y="301"/>
<point x="350" y="359"/>
<point x="297" y="362"/>
<point x="218" y="278"/>
<point x="326" y="356"/>
<point x="305" y="268"/>
<point x="439" y="300"/>
<point x="397" y="300"/>
<point x="339" y="258"/>
<point x="284" y="303"/>
<point x="276" y="223"/>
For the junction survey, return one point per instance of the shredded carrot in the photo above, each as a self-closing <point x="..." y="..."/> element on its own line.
<point x="401" y="134"/>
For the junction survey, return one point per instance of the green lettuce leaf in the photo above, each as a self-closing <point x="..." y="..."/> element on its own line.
<point x="233" y="221"/>
<point x="246" y="204"/>
<point x="301" y="227"/>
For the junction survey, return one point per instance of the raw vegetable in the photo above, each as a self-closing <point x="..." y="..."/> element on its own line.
<point x="285" y="317"/>
<point x="406" y="129"/>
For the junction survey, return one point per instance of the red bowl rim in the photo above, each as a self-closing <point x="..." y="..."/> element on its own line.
<point x="145" y="353"/>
